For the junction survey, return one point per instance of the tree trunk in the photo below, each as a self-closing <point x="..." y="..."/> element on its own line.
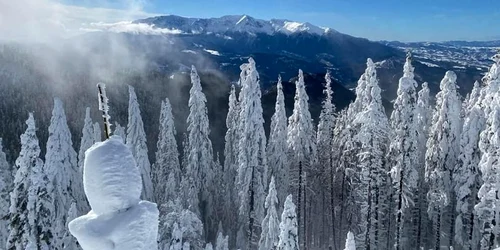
<point x="369" y="217"/>
<point x="250" y="212"/>
<point x="399" y="221"/>
<point x="438" y="230"/>
<point x="332" y="203"/>
<point x="299" y="207"/>
<point x="341" y="214"/>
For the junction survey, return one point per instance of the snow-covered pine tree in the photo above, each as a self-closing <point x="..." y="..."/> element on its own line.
<point x="403" y="149"/>
<point x="326" y="125"/>
<point x="69" y="242"/>
<point x="20" y="227"/>
<point x="270" y="225"/>
<point x="442" y="153"/>
<point x="176" y="241"/>
<point x="167" y="157"/>
<point x="5" y="188"/>
<point x="277" y="147"/>
<point x="492" y="85"/>
<point x="325" y="169"/>
<point x="288" y="238"/>
<point x="119" y="131"/>
<point x="209" y="246"/>
<point x="301" y="140"/>
<point x="342" y="177"/>
<point x="231" y="163"/>
<point x="222" y="242"/>
<point x="487" y="209"/>
<point x="62" y="170"/>
<point x="252" y="160"/>
<point x="350" y="244"/>
<point x="97" y="132"/>
<point x="474" y="97"/>
<point x="467" y="179"/>
<point x="41" y="209"/>
<point x="423" y="117"/>
<point x="85" y="143"/>
<point x="87" y="138"/>
<point x="136" y="141"/>
<point x="373" y="136"/>
<point x="200" y="160"/>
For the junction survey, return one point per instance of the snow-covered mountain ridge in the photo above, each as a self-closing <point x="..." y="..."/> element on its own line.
<point x="233" y="23"/>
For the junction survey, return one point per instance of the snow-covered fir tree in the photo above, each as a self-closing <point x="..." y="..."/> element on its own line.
<point x="222" y="242"/>
<point x="20" y="227"/>
<point x="403" y="150"/>
<point x="423" y="116"/>
<point x="277" y="147"/>
<point x="288" y="238"/>
<point x="97" y="132"/>
<point x="487" y="209"/>
<point x="166" y="166"/>
<point x="200" y="161"/>
<point x="350" y="243"/>
<point x="231" y="163"/>
<point x="119" y="131"/>
<point x="69" y="242"/>
<point x="252" y="162"/>
<point x="62" y="170"/>
<point x="270" y="225"/>
<point x="325" y="169"/>
<point x="442" y="153"/>
<point x="492" y="85"/>
<point x="41" y="209"/>
<point x="301" y="140"/>
<point x="325" y="127"/>
<point x="87" y="138"/>
<point x="85" y="143"/>
<point x="467" y="180"/>
<point x="136" y="140"/>
<point x="373" y="137"/>
<point x="189" y="225"/>
<point x="209" y="246"/>
<point x="176" y="241"/>
<point x="5" y="188"/>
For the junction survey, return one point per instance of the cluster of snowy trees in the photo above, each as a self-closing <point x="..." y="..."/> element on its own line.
<point x="421" y="177"/>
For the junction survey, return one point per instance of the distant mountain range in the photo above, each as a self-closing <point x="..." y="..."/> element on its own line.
<point x="234" y="23"/>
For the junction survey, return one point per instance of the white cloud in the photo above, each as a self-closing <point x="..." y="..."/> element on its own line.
<point x="129" y="27"/>
<point x="44" y="20"/>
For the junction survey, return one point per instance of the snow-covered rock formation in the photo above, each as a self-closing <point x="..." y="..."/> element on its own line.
<point x="113" y="185"/>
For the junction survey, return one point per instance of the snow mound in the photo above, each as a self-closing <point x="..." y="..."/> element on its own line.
<point x="111" y="179"/>
<point x="134" y="229"/>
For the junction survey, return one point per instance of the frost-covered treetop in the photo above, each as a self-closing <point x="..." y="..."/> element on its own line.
<point x="196" y="85"/>
<point x="327" y="104"/>
<point x="407" y="82"/>
<point x="448" y="82"/>
<point x="408" y="68"/>
<point x="271" y="199"/>
<point x="249" y="74"/>
<point x="233" y="101"/>
<point x="474" y="95"/>
<point x="30" y="141"/>
<point x="301" y="136"/>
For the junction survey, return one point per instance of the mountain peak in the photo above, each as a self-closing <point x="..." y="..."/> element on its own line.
<point x="233" y="23"/>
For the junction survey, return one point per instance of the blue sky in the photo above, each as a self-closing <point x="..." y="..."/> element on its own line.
<point x="404" y="20"/>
